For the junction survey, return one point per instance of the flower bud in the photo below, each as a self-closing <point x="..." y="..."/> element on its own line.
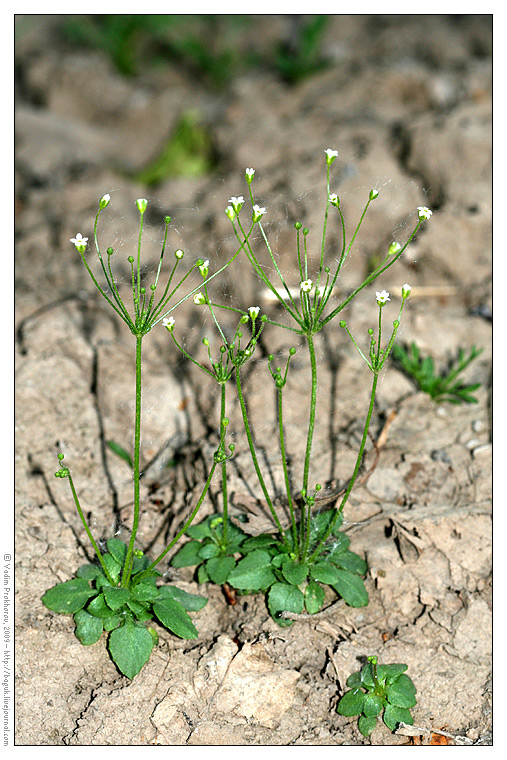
<point x="249" y="173"/>
<point x="394" y="248"/>
<point x="104" y="201"/>
<point x="405" y="291"/>
<point x="373" y="194"/>
<point x="199" y="299"/>
<point x="179" y="253"/>
<point x="141" y="204"/>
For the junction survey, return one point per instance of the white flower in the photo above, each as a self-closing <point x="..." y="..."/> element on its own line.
<point x="405" y="290"/>
<point x="258" y="213"/>
<point x="168" y="323"/>
<point x="80" y="242"/>
<point x="330" y="155"/>
<point x="236" y="202"/>
<point x="382" y="297"/>
<point x="394" y="248"/>
<point x="249" y="175"/>
<point x="424" y="212"/>
<point x="199" y="299"/>
<point x="254" y="312"/>
<point x="179" y="253"/>
<point x="141" y="204"/>
<point x="306" y="286"/>
<point x="204" y="268"/>
<point x="373" y="194"/>
<point x="333" y="198"/>
<point x="104" y="201"/>
<point x="230" y="213"/>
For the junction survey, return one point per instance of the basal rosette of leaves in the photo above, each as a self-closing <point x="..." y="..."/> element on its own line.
<point x="265" y="564"/>
<point x="100" y="606"/>
<point x="379" y="691"/>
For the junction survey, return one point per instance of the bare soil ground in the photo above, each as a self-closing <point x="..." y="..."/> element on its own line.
<point x="407" y="102"/>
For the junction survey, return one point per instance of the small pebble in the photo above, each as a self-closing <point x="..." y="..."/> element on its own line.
<point x="472" y="443"/>
<point x="477" y="426"/>
<point x="482" y="451"/>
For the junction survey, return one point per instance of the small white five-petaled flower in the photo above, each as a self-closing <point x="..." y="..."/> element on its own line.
<point x="382" y="297"/>
<point x="424" y="212"/>
<point x="168" y="323"/>
<point x="249" y="175"/>
<point x="306" y="286"/>
<point x="80" y="242"/>
<point x="258" y="213"/>
<point x="333" y="198"/>
<point x="254" y="312"/>
<point x="199" y="299"/>
<point x="330" y="155"/>
<point x="236" y="202"/>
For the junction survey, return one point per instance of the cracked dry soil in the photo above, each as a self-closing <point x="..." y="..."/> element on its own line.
<point x="417" y="124"/>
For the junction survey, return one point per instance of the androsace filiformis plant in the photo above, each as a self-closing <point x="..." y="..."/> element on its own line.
<point x="379" y="690"/>
<point x="295" y="564"/>
<point x="120" y="593"/>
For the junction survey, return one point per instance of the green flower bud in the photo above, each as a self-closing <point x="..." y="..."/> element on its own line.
<point x="141" y="204"/>
<point x="298" y="225"/>
<point x="343" y="324"/>
<point x="167" y="219"/>
<point x="373" y="194"/>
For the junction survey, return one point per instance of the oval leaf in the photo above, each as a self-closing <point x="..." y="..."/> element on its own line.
<point x="351" y="703"/>
<point x="191" y="602"/>
<point x="116" y="597"/>
<point x="394" y="715"/>
<point x="173" y="616"/>
<point x="130" y="647"/>
<point x="294" y="572"/>
<point x="68" y="597"/>
<point x="351" y="561"/>
<point x="351" y="588"/>
<point x="187" y="555"/>
<point x="253" y="572"/>
<point x="117" y="549"/>
<point x="314" y="597"/>
<point x="373" y="705"/>
<point x="366" y="725"/>
<point x="88" y="628"/>
<point x="219" y="568"/>
<point x="283" y="597"/>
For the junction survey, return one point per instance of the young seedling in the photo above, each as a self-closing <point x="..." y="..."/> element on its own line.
<point x="120" y="594"/>
<point x="442" y="386"/>
<point x="379" y="691"/>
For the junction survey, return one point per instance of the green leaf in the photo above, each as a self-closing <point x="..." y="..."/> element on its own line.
<point x="294" y="572"/>
<point x="90" y="572"/>
<point x="389" y="673"/>
<point x="394" y="715"/>
<point x="340" y="543"/>
<point x="325" y="572"/>
<point x="140" y="610"/>
<point x="130" y="647"/>
<point x="68" y="597"/>
<point x="144" y="592"/>
<point x="201" y="530"/>
<point x="401" y="692"/>
<point x="366" y="725"/>
<point x="314" y="597"/>
<point x="258" y="542"/>
<point x="351" y="562"/>
<point x="173" y="616"/>
<point x="99" y="608"/>
<point x="208" y="550"/>
<point x="141" y="563"/>
<point x="88" y="628"/>
<point x="112" y="622"/>
<point x="283" y="597"/>
<point x="354" y="680"/>
<point x="351" y="703"/>
<point x="373" y="705"/>
<point x="351" y="588"/>
<point x="120" y="452"/>
<point x="191" y="602"/>
<point x="202" y="575"/>
<point x="187" y="555"/>
<point x="114" y="568"/>
<point x="116" y="597"/>
<point x="117" y="549"/>
<point x="218" y="568"/>
<point x="253" y="572"/>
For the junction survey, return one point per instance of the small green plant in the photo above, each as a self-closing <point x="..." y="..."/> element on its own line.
<point x="294" y="566"/>
<point x="120" y="593"/>
<point x="302" y="57"/>
<point x="379" y="691"/>
<point x="442" y="386"/>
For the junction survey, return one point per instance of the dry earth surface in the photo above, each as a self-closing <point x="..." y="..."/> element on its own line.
<point x="407" y="102"/>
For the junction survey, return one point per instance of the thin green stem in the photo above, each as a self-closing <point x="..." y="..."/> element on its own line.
<point x="225" y="504"/>
<point x="88" y="531"/>
<point x="309" y="443"/>
<point x="256" y="462"/>
<point x="186" y="525"/>
<point x="127" y="568"/>
<point x="285" y="468"/>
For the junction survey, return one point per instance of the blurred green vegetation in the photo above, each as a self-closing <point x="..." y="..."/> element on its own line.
<point x="211" y="46"/>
